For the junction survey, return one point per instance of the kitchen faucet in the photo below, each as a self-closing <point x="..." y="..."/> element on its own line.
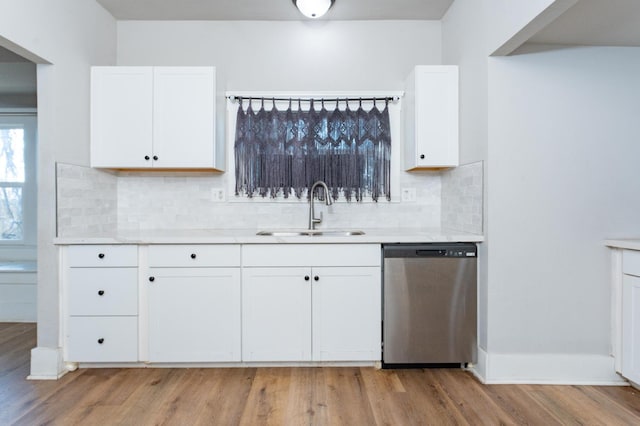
<point x="312" y="219"/>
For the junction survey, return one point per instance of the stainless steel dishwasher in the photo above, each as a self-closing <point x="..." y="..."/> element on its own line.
<point x="429" y="304"/>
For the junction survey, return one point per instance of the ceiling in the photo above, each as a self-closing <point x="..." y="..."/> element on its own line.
<point x="275" y="10"/>
<point x="589" y="22"/>
<point x="595" y="23"/>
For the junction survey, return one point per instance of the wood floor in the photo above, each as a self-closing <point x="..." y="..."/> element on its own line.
<point x="290" y="396"/>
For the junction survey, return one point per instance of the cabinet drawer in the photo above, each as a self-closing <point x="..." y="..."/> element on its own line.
<point x="169" y="256"/>
<point x="631" y="262"/>
<point x="311" y="255"/>
<point x="103" y="291"/>
<point x="103" y="255"/>
<point x="102" y="339"/>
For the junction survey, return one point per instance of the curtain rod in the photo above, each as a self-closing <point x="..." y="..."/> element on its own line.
<point x="320" y="99"/>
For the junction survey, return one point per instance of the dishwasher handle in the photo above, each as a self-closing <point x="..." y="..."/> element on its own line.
<point x="431" y="253"/>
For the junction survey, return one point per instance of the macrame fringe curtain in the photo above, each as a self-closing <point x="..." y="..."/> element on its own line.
<point x="285" y="152"/>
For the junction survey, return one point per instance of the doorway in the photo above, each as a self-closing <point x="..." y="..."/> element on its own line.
<point x="18" y="188"/>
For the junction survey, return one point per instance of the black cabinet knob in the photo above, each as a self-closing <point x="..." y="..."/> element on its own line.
<point x="100" y="341"/>
<point x="193" y="255"/>
<point x="422" y="156"/>
<point x="101" y="255"/>
<point x="100" y="292"/>
<point x="155" y="157"/>
<point x="146" y="157"/>
<point x="152" y="279"/>
<point x="316" y="278"/>
<point x="306" y="277"/>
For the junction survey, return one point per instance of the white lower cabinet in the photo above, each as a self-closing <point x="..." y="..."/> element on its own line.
<point x="193" y="297"/>
<point x="194" y="315"/>
<point x="101" y="303"/>
<point x="631" y="328"/>
<point x="103" y="339"/>
<point x="276" y="325"/>
<point x="346" y="314"/>
<point x="311" y="313"/>
<point x="200" y="304"/>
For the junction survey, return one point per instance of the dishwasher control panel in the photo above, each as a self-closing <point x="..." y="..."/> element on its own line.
<point x="430" y="250"/>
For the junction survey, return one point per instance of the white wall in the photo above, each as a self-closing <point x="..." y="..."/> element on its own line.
<point x="558" y="165"/>
<point x="71" y="35"/>
<point x="464" y="44"/>
<point x="563" y="151"/>
<point x="17" y="85"/>
<point x="287" y="56"/>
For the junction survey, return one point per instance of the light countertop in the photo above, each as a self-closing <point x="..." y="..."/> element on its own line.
<point x="248" y="236"/>
<point x="631" y="244"/>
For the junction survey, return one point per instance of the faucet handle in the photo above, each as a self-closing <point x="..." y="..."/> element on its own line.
<point x="316" y="219"/>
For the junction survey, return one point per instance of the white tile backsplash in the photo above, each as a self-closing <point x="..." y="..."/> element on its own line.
<point x="87" y="201"/>
<point x="92" y="201"/>
<point x="462" y="198"/>
<point x="164" y="202"/>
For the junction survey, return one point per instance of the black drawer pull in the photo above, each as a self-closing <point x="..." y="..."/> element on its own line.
<point x="193" y="255"/>
<point x="100" y="341"/>
<point x="316" y="278"/>
<point x="100" y="292"/>
<point x="101" y="255"/>
<point x="155" y="157"/>
<point x="306" y="277"/>
<point x="152" y="279"/>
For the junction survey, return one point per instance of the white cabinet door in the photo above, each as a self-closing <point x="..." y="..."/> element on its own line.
<point x="631" y="327"/>
<point x="431" y="117"/>
<point x="184" y="117"/>
<point x="153" y="117"/>
<point x="276" y="319"/>
<point x="346" y="314"/>
<point x="121" y="117"/>
<point x="194" y="314"/>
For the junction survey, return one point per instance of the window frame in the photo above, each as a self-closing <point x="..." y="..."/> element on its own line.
<point x="395" y="119"/>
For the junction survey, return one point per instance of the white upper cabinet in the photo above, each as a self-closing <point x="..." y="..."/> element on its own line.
<point x="431" y="117"/>
<point x="183" y="117"/>
<point x="121" y="116"/>
<point x="153" y="117"/>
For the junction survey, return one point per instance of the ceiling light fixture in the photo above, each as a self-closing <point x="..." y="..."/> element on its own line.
<point x="313" y="8"/>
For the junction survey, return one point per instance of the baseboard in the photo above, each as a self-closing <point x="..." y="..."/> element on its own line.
<point x="46" y="364"/>
<point x="548" y="369"/>
<point x="479" y="369"/>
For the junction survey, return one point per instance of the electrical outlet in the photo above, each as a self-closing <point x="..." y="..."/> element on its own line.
<point x="408" y="195"/>
<point x="217" y="195"/>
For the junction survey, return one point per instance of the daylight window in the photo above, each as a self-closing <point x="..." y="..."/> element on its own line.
<point x="12" y="182"/>
<point x="282" y="152"/>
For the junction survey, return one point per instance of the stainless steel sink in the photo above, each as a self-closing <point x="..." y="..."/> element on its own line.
<point x="310" y="233"/>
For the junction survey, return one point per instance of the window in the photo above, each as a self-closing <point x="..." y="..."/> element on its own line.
<point x="12" y="179"/>
<point x="17" y="189"/>
<point x="280" y="150"/>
